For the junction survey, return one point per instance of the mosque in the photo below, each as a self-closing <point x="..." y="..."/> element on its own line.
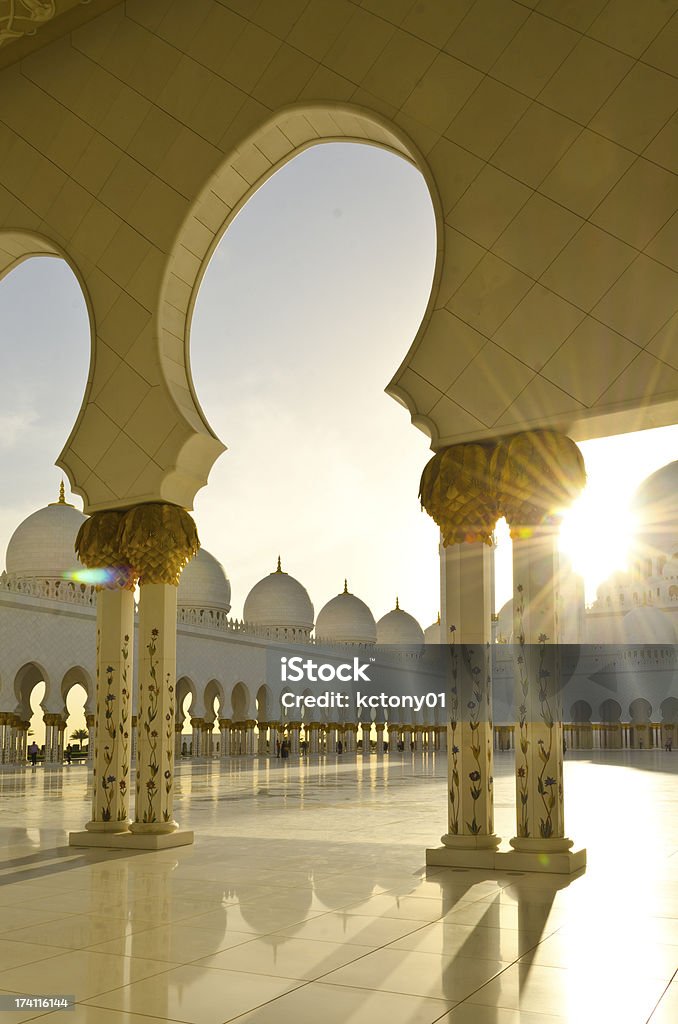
<point x="132" y="134"/>
<point x="622" y="689"/>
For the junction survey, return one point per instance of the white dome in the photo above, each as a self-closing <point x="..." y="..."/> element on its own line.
<point x="279" y="601"/>
<point x="44" y="544"/>
<point x="432" y="635"/>
<point x="204" y="584"/>
<point x="346" y="620"/>
<point x="399" y="627"/>
<point x="647" y="625"/>
<point x="655" y="506"/>
<point x="505" y="622"/>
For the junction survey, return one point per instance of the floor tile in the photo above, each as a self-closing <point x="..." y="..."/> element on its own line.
<point x="279" y="956"/>
<point x="420" y="974"/>
<point x="577" y="996"/>
<point x="357" y="929"/>
<point x="80" y="973"/>
<point x="196" y="995"/>
<point x="336" y="1005"/>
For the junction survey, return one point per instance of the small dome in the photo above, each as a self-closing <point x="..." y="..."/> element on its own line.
<point x="204" y="584"/>
<point x="346" y="620"/>
<point x="399" y="627"/>
<point x="505" y="623"/>
<point x="279" y="602"/>
<point x="433" y="634"/>
<point x="44" y="543"/>
<point x="647" y="625"/>
<point x="655" y="507"/>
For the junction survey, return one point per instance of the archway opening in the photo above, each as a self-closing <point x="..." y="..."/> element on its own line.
<point x="308" y="304"/>
<point x="45" y="352"/>
<point x="77" y="733"/>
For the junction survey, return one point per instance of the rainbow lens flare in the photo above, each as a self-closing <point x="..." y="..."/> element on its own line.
<point x="91" y="577"/>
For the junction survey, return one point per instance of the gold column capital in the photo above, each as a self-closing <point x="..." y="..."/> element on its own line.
<point x="527" y="477"/>
<point x="537" y="473"/>
<point x="158" y="539"/>
<point x="97" y="545"/>
<point x="456" y="490"/>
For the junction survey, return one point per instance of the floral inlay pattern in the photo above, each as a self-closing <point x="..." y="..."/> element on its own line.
<point x="548" y="787"/>
<point x="22" y="17"/>
<point x="115" y="737"/>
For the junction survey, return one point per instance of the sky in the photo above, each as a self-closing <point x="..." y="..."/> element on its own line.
<point x="308" y="306"/>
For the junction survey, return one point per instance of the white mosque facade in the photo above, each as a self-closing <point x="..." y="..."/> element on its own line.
<point x="620" y="654"/>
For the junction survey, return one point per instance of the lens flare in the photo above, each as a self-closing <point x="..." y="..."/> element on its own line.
<point x="91" y="577"/>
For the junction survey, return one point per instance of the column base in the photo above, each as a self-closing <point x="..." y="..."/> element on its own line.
<point x="153" y="828"/>
<point x="465" y="851"/>
<point x="540" y="858"/>
<point x="130" y="840"/>
<point x="108" y="827"/>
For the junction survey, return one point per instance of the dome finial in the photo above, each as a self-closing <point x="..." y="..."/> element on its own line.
<point x="438" y="622"/>
<point x="62" y="494"/>
<point x="346" y="586"/>
<point x="279" y="569"/>
<point x="397" y="607"/>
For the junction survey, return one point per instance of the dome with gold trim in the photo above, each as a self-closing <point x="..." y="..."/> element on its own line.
<point x="345" y="619"/>
<point x="204" y="584"/>
<point x="433" y="633"/>
<point x="43" y="545"/>
<point x="279" y="602"/>
<point x="399" y="627"/>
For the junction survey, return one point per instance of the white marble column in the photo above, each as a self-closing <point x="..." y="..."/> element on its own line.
<point x="293" y="728"/>
<point x="541" y="474"/>
<point x="110" y="773"/>
<point x="466" y="574"/>
<point x="365" y="733"/>
<point x="196" y="737"/>
<point x="91" y="733"/>
<point x="224" y="744"/>
<point x="154" y="805"/>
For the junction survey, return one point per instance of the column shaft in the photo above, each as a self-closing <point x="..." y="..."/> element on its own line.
<point x="157" y="685"/>
<point x="466" y="574"/>
<point x="110" y="774"/>
<point x="539" y="749"/>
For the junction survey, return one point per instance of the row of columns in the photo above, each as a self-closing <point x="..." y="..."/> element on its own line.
<point x="240" y="738"/>
<point x="13" y="738"/>
<point x="528" y="478"/>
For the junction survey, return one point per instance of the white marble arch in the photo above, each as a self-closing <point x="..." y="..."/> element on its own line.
<point x="132" y="138"/>
<point x="273" y="143"/>
<point x="186" y="686"/>
<point x="213" y="692"/>
<point x="241" y="703"/>
<point x="266" y="706"/>
<point x="79" y="676"/>
<point x="26" y="678"/>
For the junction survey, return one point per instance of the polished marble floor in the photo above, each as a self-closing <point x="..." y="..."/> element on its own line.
<point x="305" y="899"/>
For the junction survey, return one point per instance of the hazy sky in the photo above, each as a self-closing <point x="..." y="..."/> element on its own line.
<point x="307" y="308"/>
